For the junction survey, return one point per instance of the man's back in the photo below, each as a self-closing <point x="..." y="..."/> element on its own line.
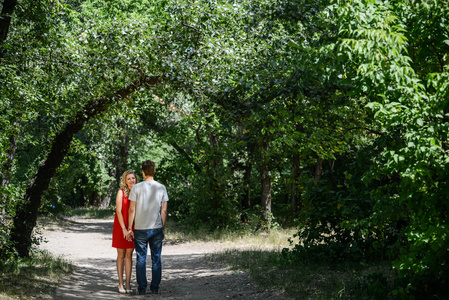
<point x="148" y="196"/>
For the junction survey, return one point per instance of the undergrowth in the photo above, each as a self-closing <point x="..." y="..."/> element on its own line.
<point x="272" y="272"/>
<point x="33" y="277"/>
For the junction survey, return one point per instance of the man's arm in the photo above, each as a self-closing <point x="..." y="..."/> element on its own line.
<point x="131" y="214"/>
<point x="163" y="215"/>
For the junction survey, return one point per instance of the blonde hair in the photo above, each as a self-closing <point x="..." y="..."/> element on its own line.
<point x="123" y="184"/>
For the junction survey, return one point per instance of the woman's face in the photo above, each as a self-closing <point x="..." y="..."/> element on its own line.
<point x="130" y="180"/>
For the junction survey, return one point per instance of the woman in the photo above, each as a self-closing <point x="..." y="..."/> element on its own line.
<point x="124" y="248"/>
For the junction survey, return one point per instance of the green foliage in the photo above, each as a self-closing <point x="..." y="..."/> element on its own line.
<point x="407" y="106"/>
<point x="333" y="226"/>
<point x="334" y="111"/>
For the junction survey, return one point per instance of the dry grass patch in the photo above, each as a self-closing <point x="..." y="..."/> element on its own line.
<point x="94" y="212"/>
<point x="234" y="238"/>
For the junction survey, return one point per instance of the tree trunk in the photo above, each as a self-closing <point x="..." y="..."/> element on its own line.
<point x="245" y="201"/>
<point x="331" y="175"/>
<point x="106" y="201"/>
<point x="26" y="213"/>
<point x="266" y="197"/>
<point x="82" y="190"/>
<point x="5" y="19"/>
<point x="216" y="182"/>
<point x="95" y="199"/>
<point x="265" y="201"/>
<point x="318" y="170"/>
<point x="295" y="193"/>
<point x="216" y="157"/>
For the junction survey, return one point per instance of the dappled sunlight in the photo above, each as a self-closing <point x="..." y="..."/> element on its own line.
<point x="187" y="274"/>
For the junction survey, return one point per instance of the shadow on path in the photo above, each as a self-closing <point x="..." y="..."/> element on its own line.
<point x="198" y="281"/>
<point x="185" y="275"/>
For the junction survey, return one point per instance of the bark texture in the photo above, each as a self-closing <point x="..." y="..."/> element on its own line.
<point x="265" y="200"/>
<point x="5" y="18"/>
<point x="266" y="197"/>
<point x="295" y="192"/>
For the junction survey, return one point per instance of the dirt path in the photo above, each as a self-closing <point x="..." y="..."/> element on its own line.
<point x="186" y="274"/>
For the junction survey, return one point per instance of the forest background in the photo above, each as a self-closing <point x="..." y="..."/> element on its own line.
<point x="330" y="116"/>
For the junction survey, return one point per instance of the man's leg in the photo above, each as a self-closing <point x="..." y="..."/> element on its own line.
<point x="156" y="250"/>
<point x="140" y="243"/>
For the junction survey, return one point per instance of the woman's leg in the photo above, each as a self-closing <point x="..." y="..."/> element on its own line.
<point x="120" y="264"/>
<point x="128" y="266"/>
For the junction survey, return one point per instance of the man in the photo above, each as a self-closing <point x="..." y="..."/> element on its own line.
<point x="148" y="212"/>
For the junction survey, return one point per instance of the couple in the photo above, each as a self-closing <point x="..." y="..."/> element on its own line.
<point x="141" y="211"/>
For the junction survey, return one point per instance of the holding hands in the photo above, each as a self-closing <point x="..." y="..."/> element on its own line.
<point x="128" y="234"/>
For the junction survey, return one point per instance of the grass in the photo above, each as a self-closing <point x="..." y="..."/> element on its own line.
<point x="93" y="212"/>
<point x="274" y="239"/>
<point x="260" y="255"/>
<point x="268" y="269"/>
<point x="35" y="277"/>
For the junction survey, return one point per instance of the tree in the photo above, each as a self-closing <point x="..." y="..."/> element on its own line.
<point x="75" y="67"/>
<point x="25" y="218"/>
<point x="408" y="98"/>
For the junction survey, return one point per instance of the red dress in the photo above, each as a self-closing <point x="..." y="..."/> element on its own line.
<point x="118" y="241"/>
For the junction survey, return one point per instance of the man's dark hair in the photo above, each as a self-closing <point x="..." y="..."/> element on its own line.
<point x="149" y="168"/>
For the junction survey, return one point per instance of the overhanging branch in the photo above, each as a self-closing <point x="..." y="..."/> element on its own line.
<point x="26" y="214"/>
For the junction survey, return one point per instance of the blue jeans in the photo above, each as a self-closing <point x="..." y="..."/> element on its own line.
<point x="143" y="238"/>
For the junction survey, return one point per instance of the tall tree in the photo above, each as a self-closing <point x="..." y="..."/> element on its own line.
<point x="409" y="99"/>
<point x="26" y="214"/>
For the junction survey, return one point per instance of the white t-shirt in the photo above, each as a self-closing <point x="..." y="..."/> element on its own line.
<point x="148" y="196"/>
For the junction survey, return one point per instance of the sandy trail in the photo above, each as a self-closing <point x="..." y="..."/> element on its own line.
<point x="186" y="274"/>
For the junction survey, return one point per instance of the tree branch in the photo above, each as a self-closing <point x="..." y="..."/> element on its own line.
<point x="197" y="38"/>
<point x="440" y="59"/>
<point x="367" y="129"/>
